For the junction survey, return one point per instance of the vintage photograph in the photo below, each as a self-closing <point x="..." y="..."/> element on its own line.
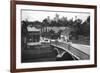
<point x="52" y="36"/>
<point x="48" y="36"/>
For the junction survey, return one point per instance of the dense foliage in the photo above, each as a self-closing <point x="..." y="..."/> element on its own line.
<point x="79" y="27"/>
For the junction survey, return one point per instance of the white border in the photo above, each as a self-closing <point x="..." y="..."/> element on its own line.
<point x="20" y="65"/>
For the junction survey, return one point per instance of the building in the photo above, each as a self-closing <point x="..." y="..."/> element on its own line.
<point x="33" y="35"/>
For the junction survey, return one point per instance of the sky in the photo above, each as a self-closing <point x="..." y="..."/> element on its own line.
<point x="33" y="15"/>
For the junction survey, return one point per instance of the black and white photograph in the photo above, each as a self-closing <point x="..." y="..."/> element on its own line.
<point x="50" y="35"/>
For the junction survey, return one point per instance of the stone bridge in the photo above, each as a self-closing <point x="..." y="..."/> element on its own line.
<point x="78" y="51"/>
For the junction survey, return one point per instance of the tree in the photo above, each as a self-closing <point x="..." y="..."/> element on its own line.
<point x="59" y="33"/>
<point x="24" y="25"/>
<point x="45" y="24"/>
<point x="51" y="33"/>
<point x="86" y="27"/>
<point x="24" y="33"/>
<point x="77" y="28"/>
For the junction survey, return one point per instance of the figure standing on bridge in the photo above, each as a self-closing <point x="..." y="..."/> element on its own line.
<point x="69" y="44"/>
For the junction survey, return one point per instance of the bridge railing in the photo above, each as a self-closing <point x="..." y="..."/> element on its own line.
<point x="73" y="51"/>
<point x="80" y="54"/>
